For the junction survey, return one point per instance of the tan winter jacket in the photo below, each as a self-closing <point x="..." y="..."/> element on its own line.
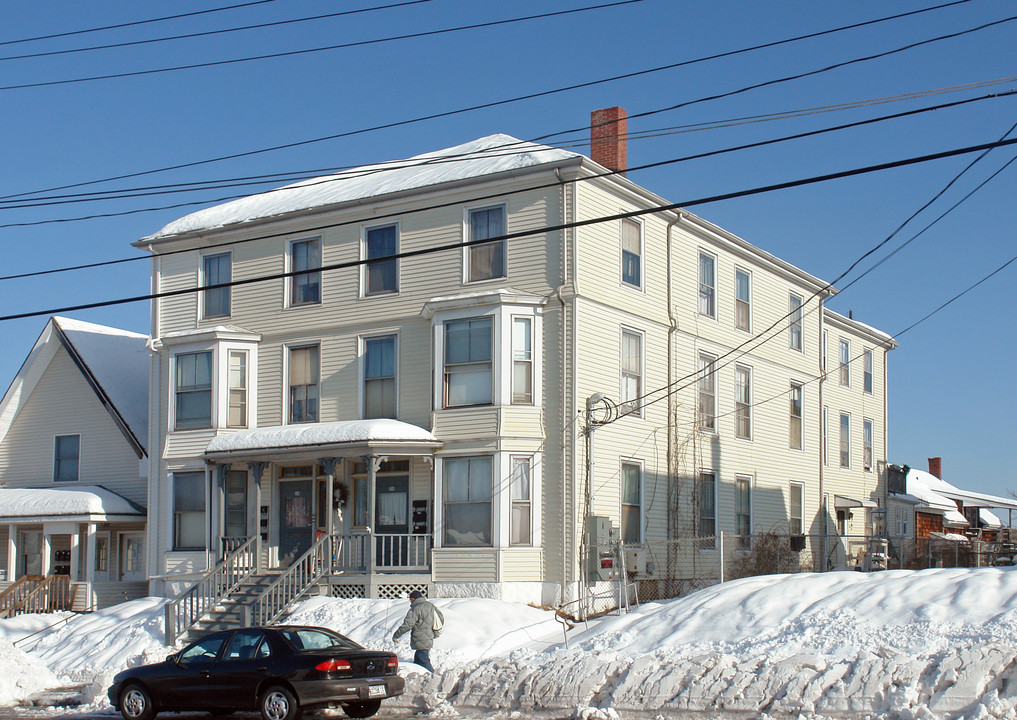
<point x="419" y="621"/>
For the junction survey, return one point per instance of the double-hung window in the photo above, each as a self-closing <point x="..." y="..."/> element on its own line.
<point x="522" y="361"/>
<point x="381" y="276"/>
<point x="521" y="531"/>
<point x="189" y="511"/>
<point x="743" y="510"/>
<point x="216" y="269"/>
<point x="468" y="367"/>
<point x="707" y="285"/>
<point x="867" y="362"/>
<point x="235" y="510"/>
<point x="304" y="378"/>
<point x="795" y="322"/>
<point x="467" y="498"/>
<point x="631" y="372"/>
<point x="707" y="515"/>
<point x="795" y="417"/>
<point x="380" y="377"/>
<point x="305" y="259"/>
<point x="707" y="387"/>
<point x="743" y="402"/>
<point x="631" y="502"/>
<point x="236" y="415"/>
<point x="867" y="445"/>
<point x="632" y="253"/>
<point x="486" y="260"/>
<point x="795" y="513"/>
<point x="66" y="452"/>
<point x="194" y="390"/>
<point x="845" y="363"/>
<point x="845" y="440"/>
<point x="743" y="300"/>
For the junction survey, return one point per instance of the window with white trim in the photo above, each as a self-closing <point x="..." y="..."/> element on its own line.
<point x="795" y="417"/>
<point x="189" y="511"/>
<point x="845" y="440"/>
<point x="382" y="276"/>
<point x="631" y="253"/>
<point x="707" y="391"/>
<point x="796" y="513"/>
<point x="845" y="363"/>
<point x="304" y="367"/>
<point x="743" y="510"/>
<point x="706" y="527"/>
<point x="235" y="508"/>
<point x="305" y="259"/>
<point x="631" y="502"/>
<point x="486" y="260"/>
<point x="743" y="300"/>
<point x="631" y="372"/>
<point x="707" y="285"/>
<point x="468" y="366"/>
<point x="467" y="501"/>
<point x="380" y="377"/>
<point x="522" y="361"/>
<point x="867" y="364"/>
<point x="216" y="269"/>
<point x="743" y="402"/>
<point x="795" y="321"/>
<point x="66" y="455"/>
<point x="193" y="390"/>
<point x="826" y="435"/>
<point x="236" y="413"/>
<point x="867" y="445"/>
<point x="521" y="526"/>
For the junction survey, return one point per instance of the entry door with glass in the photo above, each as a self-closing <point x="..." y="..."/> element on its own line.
<point x="296" y="519"/>
<point x="29" y="552"/>
<point x="132" y="557"/>
<point x="392" y="501"/>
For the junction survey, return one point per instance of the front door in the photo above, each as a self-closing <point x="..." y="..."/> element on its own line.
<point x="132" y="556"/>
<point x="296" y="521"/>
<point x="30" y="552"/>
<point x="392" y="501"/>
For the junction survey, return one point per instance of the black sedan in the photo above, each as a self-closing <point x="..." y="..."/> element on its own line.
<point x="279" y="670"/>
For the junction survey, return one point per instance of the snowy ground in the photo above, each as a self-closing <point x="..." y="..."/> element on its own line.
<point x="897" y="645"/>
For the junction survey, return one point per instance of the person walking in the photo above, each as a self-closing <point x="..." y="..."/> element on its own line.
<point x="424" y="623"/>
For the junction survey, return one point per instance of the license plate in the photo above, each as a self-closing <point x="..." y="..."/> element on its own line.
<point x="376" y="691"/>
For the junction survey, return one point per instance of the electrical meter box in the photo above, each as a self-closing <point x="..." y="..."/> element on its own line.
<point x="602" y="555"/>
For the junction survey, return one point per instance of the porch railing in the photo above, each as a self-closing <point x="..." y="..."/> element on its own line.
<point x="296" y="580"/>
<point x="13" y="597"/>
<point x="404" y="552"/>
<point x="183" y="611"/>
<point x="52" y="594"/>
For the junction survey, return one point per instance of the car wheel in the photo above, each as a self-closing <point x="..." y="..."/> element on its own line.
<point x="136" y="703"/>
<point x="278" y="703"/>
<point x="362" y="709"/>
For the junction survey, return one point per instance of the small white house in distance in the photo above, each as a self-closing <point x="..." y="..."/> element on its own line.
<point x="414" y="349"/>
<point x="73" y="465"/>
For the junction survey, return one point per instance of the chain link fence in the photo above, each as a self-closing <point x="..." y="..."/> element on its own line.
<point x="619" y="574"/>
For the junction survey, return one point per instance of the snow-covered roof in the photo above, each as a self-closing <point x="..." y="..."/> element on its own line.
<point x="320" y="435"/>
<point x="924" y="486"/>
<point x="80" y="501"/>
<point x="485" y="156"/>
<point x="860" y="327"/>
<point x="118" y="362"/>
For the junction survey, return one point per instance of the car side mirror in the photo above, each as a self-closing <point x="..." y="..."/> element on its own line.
<point x="174" y="658"/>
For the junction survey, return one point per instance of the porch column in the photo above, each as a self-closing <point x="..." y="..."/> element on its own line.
<point x="257" y="469"/>
<point x="12" y="552"/>
<point x="75" y="564"/>
<point x="219" y="506"/>
<point x="373" y="465"/>
<point x="329" y="465"/>
<point x="90" y="554"/>
<point x="46" y="552"/>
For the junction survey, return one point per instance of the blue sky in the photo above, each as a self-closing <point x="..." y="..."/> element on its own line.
<point x="78" y="132"/>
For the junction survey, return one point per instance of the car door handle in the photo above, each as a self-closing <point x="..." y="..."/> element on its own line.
<point x="206" y="674"/>
<point x="261" y="669"/>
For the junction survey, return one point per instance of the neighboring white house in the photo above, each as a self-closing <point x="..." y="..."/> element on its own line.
<point x="434" y="412"/>
<point x="73" y="465"/>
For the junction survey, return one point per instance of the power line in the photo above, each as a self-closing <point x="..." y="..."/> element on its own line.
<point x="134" y="23"/>
<point x="488" y="105"/>
<point x="458" y="246"/>
<point x="306" y="51"/>
<point x="528" y="189"/>
<point x="185" y="36"/>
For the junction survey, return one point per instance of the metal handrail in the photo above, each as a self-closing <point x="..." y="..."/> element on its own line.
<point x="190" y="606"/>
<point x="296" y="580"/>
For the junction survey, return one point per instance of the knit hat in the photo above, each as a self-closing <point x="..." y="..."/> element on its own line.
<point x="416" y="594"/>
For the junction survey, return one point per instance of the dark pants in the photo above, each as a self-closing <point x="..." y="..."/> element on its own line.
<point x="422" y="658"/>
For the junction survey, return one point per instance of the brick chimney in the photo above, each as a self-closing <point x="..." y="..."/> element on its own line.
<point x="608" y="130"/>
<point x="936" y="467"/>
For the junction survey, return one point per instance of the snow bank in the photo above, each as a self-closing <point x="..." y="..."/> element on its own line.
<point x="22" y="675"/>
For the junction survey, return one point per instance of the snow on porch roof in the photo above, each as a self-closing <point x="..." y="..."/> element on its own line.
<point x="320" y="435"/>
<point x="81" y="501"/>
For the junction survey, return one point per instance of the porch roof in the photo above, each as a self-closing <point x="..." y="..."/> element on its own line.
<point x="344" y="438"/>
<point x="82" y="503"/>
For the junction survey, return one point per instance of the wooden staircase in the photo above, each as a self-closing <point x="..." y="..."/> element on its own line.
<point x="37" y="594"/>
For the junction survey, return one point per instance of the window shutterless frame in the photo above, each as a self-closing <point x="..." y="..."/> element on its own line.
<point x="485" y="261"/>
<point x="304" y="257"/>
<point x="796" y="508"/>
<point x="303" y="374"/>
<point x="379" y="356"/>
<point x="381" y="277"/>
<point x="66" y="458"/>
<point x="631" y="242"/>
<point x="631" y="501"/>
<point x="743" y="300"/>
<point x="707" y="284"/>
<point x="795" y="329"/>
<point x="215" y="269"/>
<point x="632" y="367"/>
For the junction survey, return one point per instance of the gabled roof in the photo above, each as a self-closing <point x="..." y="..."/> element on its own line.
<point x="486" y="156"/>
<point x="114" y="362"/>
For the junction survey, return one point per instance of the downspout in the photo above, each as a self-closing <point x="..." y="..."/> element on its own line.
<point x="886" y="442"/>
<point x="567" y="453"/>
<point x="823" y="440"/>
<point x="672" y="401"/>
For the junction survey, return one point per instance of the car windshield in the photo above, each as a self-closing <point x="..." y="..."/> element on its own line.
<point x="314" y="639"/>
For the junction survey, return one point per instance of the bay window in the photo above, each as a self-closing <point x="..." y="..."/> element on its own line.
<point x="193" y="390"/>
<point x="521" y="526"/>
<point x="467" y="501"/>
<point x="468" y="367"/>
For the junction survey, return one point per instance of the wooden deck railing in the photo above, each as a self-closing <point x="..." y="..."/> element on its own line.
<point x="37" y="594"/>
<point x="13" y="596"/>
